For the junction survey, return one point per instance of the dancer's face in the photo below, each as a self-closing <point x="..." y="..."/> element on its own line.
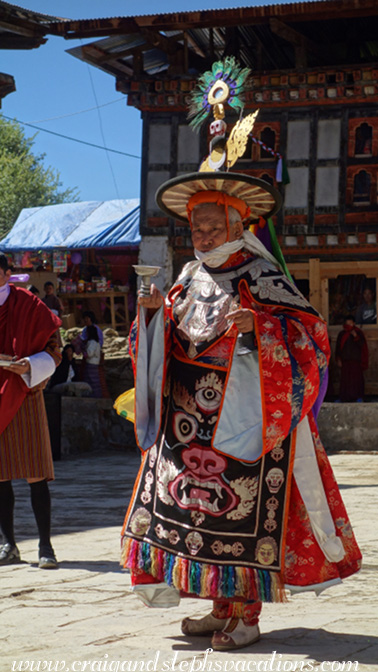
<point x="209" y="227"/>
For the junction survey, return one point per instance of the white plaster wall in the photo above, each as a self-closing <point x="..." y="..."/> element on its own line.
<point x="296" y="193"/>
<point x="327" y="186"/>
<point x="155" y="251"/>
<point x="154" y="179"/>
<point x="329" y="131"/>
<point x="159" y="144"/>
<point x="188" y="145"/>
<point x="298" y="140"/>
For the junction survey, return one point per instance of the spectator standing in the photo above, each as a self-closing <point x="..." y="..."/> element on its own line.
<point x="93" y="372"/>
<point x="352" y="357"/>
<point x="29" y="354"/>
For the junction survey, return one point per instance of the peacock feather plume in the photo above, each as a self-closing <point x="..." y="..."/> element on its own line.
<point x="232" y="74"/>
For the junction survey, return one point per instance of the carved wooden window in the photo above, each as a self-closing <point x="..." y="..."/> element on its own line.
<point x="361" y="190"/>
<point x="363" y="140"/>
<point x="247" y="156"/>
<point x="268" y="137"/>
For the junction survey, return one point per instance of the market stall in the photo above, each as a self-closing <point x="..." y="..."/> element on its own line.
<point x="88" y="250"/>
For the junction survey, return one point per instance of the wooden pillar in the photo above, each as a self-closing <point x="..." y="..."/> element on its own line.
<point x="112" y="311"/>
<point x="315" y="284"/>
<point x="324" y="299"/>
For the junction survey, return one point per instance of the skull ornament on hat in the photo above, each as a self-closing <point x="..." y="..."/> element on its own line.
<point x="252" y="197"/>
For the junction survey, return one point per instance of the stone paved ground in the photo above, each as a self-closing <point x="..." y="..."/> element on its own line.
<point x="85" y="611"/>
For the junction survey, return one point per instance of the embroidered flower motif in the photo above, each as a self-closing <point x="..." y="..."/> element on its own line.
<point x="277" y="414"/>
<point x="303" y="342"/>
<point x="344" y="526"/>
<point x="280" y="354"/>
<point x="290" y="558"/>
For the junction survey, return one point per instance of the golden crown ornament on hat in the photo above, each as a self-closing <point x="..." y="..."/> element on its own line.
<point x="223" y="85"/>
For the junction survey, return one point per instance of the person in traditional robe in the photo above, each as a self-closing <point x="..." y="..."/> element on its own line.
<point x="235" y="500"/>
<point x="92" y="371"/>
<point x="352" y="356"/>
<point x="29" y="354"/>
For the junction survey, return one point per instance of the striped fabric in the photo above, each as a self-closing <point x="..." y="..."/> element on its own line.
<point x="94" y="375"/>
<point x="25" y="450"/>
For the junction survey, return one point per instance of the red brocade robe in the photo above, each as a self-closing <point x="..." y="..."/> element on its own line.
<point x="235" y="497"/>
<point x="27" y="327"/>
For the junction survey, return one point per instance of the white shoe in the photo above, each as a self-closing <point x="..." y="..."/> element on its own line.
<point x="158" y="595"/>
<point x="202" y="627"/>
<point x="235" y="635"/>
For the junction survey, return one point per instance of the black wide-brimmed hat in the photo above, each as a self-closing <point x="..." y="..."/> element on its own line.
<point x="261" y="197"/>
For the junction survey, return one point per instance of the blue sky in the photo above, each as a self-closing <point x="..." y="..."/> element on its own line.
<point x="51" y="84"/>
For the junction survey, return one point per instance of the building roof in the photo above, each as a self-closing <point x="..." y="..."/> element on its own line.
<point x="7" y="85"/>
<point x="291" y="35"/>
<point x="23" y="28"/>
<point x="76" y="225"/>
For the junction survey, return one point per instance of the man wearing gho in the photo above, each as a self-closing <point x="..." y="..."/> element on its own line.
<point x="235" y="499"/>
<point x="28" y="356"/>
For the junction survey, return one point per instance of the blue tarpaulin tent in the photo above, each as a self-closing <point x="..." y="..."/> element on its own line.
<point x="76" y="225"/>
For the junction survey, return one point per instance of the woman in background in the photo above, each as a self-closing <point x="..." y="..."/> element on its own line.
<point x="93" y="372"/>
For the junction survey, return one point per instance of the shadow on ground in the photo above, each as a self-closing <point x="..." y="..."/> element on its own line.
<point x="314" y="644"/>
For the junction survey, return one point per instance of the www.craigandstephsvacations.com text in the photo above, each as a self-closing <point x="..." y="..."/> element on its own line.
<point x="204" y="663"/>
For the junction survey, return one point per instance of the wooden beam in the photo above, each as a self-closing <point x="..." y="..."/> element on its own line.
<point x="315" y="286"/>
<point x="331" y="269"/>
<point x="19" y="29"/>
<point x="108" y="57"/>
<point x="9" y="41"/>
<point x="97" y="57"/>
<point x="159" y="41"/>
<point x="324" y="298"/>
<point x="294" y="37"/>
<point x="195" y="46"/>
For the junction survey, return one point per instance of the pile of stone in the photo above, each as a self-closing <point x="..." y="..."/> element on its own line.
<point x="115" y="346"/>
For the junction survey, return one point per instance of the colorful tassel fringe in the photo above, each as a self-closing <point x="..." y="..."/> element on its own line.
<point x="204" y="580"/>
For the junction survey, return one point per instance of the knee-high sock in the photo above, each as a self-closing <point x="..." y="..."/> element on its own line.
<point x="6" y="512"/>
<point x="41" y="503"/>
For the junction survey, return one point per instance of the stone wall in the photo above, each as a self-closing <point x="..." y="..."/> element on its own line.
<point x="89" y="425"/>
<point x="349" y="426"/>
<point x="93" y="425"/>
<point x="119" y="375"/>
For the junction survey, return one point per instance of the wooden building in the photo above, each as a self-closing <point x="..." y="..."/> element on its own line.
<point x="315" y="80"/>
<point x="20" y="29"/>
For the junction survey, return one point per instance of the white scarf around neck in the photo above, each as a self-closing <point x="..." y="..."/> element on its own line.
<point x="219" y="255"/>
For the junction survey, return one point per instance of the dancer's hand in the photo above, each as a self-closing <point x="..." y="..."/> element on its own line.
<point x="243" y="320"/>
<point x="152" y="302"/>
